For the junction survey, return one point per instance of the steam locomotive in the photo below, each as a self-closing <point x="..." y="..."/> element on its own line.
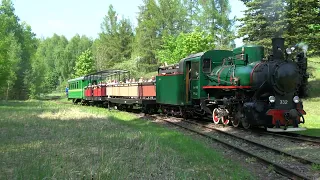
<point x="230" y="87"/>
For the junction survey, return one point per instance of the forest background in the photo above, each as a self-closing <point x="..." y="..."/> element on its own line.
<point x="167" y="31"/>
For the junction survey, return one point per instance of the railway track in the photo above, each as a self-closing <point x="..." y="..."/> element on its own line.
<point x="297" y="137"/>
<point x="288" y="135"/>
<point x="289" y="165"/>
<point x="302" y="160"/>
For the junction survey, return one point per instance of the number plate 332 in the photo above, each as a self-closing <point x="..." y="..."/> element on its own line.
<point x="283" y="101"/>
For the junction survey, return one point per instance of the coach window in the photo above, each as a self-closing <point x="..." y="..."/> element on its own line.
<point x="206" y="65"/>
<point x="77" y="85"/>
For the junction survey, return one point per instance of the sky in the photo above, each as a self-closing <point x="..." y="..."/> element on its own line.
<point x="69" y="17"/>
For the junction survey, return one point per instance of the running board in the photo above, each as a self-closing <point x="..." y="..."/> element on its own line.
<point x="287" y="130"/>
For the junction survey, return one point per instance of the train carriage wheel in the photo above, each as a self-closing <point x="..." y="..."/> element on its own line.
<point x="237" y="117"/>
<point x="215" y="117"/>
<point x="245" y="124"/>
<point x="296" y="122"/>
<point x="235" y="122"/>
<point x="225" y="120"/>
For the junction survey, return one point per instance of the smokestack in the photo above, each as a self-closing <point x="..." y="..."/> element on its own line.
<point x="278" y="48"/>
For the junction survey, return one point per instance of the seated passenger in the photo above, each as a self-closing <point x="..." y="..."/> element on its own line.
<point x="141" y="80"/>
<point x="153" y="79"/>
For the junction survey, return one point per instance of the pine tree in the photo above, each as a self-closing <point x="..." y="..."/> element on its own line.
<point x="303" y="24"/>
<point x="193" y="10"/>
<point x="115" y="41"/>
<point x="263" y="20"/>
<point x="213" y="18"/>
<point x="148" y="34"/>
<point x="297" y="21"/>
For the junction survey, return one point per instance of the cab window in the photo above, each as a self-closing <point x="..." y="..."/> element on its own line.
<point x="206" y="65"/>
<point x="195" y="70"/>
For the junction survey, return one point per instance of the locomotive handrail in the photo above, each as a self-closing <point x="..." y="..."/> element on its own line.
<point x="215" y="78"/>
<point x="131" y="84"/>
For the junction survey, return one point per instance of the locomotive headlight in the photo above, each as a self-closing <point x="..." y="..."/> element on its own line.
<point x="272" y="99"/>
<point x="296" y="99"/>
<point x="288" y="51"/>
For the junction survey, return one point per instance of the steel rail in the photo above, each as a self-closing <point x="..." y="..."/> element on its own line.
<point x="299" y="137"/>
<point x="300" y="159"/>
<point x="280" y="169"/>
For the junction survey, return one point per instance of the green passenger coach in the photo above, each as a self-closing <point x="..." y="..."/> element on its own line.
<point x="76" y="88"/>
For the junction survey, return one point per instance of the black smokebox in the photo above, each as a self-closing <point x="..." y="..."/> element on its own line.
<point x="278" y="48"/>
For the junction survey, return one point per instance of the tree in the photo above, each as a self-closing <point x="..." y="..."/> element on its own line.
<point x="157" y="19"/>
<point x="172" y="16"/>
<point x="72" y="51"/>
<point x="295" y="20"/>
<point x="263" y="20"/>
<point x="14" y="58"/>
<point x="38" y="75"/>
<point x="303" y="23"/>
<point x="9" y="24"/>
<point x="174" y="49"/>
<point x="17" y="45"/>
<point x="212" y="16"/>
<point x="53" y="55"/>
<point x="84" y="64"/>
<point x="115" y="41"/>
<point x="125" y="34"/>
<point x="193" y="9"/>
<point x="148" y="37"/>
<point x="162" y="18"/>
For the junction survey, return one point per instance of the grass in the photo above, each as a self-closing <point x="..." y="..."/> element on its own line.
<point x="315" y="167"/>
<point x="44" y="139"/>
<point x="312" y="103"/>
